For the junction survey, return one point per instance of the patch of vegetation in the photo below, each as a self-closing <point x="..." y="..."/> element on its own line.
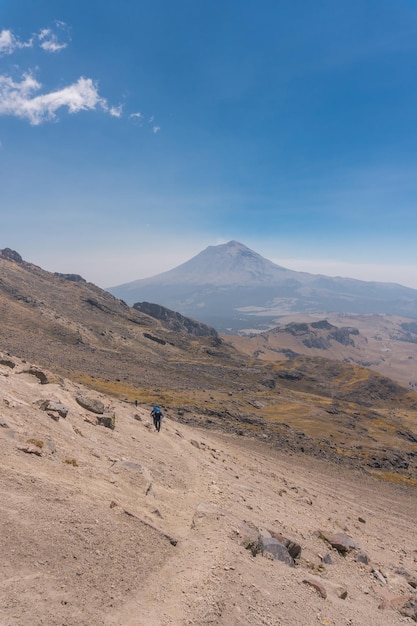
<point x="36" y="442"/>
<point x="72" y="462"/>
<point x="394" y="477"/>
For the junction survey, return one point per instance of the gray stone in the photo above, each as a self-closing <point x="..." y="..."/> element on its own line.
<point x="55" y="407"/>
<point x="341" y="542"/>
<point x="410" y="578"/>
<point x="377" y="574"/>
<point x="7" y="363"/>
<point x="362" y="557"/>
<point x="90" y="404"/>
<point x="293" y="548"/>
<point x="108" y="421"/>
<point x="277" y="550"/>
<point x="410" y="609"/>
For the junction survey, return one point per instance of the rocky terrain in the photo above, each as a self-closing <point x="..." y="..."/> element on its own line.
<point x="105" y="521"/>
<point x="383" y="343"/>
<point x="278" y="493"/>
<point x="324" y="408"/>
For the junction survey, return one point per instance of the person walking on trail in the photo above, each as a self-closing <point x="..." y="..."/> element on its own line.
<point x="157" y="415"/>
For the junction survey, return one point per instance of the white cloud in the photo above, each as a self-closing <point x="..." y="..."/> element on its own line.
<point x="47" y="38"/>
<point x="22" y="98"/>
<point x="116" y="111"/>
<point x="9" y="43"/>
<point x="49" y="41"/>
<point x="156" y="129"/>
<point x="17" y="99"/>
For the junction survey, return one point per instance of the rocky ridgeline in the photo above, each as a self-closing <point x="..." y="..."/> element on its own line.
<point x="175" y="321"/>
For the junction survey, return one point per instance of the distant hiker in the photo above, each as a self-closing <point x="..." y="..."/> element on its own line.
<point x="157" y="415"/>
<point x="136" y="403"/>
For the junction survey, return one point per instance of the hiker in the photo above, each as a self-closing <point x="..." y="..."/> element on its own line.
<point x="157" y="415"/>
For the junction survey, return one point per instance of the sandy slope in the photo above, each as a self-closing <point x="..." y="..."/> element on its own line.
<point x="87" y="529"/>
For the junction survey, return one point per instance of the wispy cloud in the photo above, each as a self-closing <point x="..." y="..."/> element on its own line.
<point x="49" y="41"/>
<point x="21" y="97"/>
<point x="46" y="38"/>
<point x="18" y="99"/>
<point x="9" y="43"/>
<point x="116" y="111"/>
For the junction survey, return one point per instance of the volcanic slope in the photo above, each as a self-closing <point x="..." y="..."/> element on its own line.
<point x="232" y="288"/>
<point x="339" y="411"/>
<point x="130" y="527"/>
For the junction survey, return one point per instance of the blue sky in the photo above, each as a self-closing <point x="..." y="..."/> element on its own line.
<point x="135" y="134"/>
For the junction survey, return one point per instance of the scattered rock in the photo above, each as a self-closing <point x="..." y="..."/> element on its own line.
<point x="410" y="578"/>
<point x="4" y="424"/>
<point x="362" y="557"/>
<point x="40" y="375"/>
<point x="90" y="404"/>
<point x="410" y="609"/>
<point x="327" y="559"/>
<point x="317" y="586"/>
<point x="341" y="542"/>
<point x="30" y="450"/>
<point x="108" y="421"/>
<point x="7" y="363"/>
<point x="377" y="574"/>
<point x="55" y="408"/>
<point x="277" y="549"/>
<point x="254" y="545"/>
<point x="293" y="548"/>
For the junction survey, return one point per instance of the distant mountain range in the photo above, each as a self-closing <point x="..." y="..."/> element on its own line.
<point x="233" y="288"/>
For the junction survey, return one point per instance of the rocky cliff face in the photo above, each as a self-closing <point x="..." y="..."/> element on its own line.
<point x="176" y="321"/>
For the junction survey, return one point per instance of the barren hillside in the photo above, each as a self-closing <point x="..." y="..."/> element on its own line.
<point x="130" y="527"/>
<point x="328" y="410"/>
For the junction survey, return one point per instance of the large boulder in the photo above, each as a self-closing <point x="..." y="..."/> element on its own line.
<point x="90" y="404"/>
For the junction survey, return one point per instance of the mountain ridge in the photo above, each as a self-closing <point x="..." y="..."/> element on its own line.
<point x="96" y="339"/>
<point x="232" y="288"/>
